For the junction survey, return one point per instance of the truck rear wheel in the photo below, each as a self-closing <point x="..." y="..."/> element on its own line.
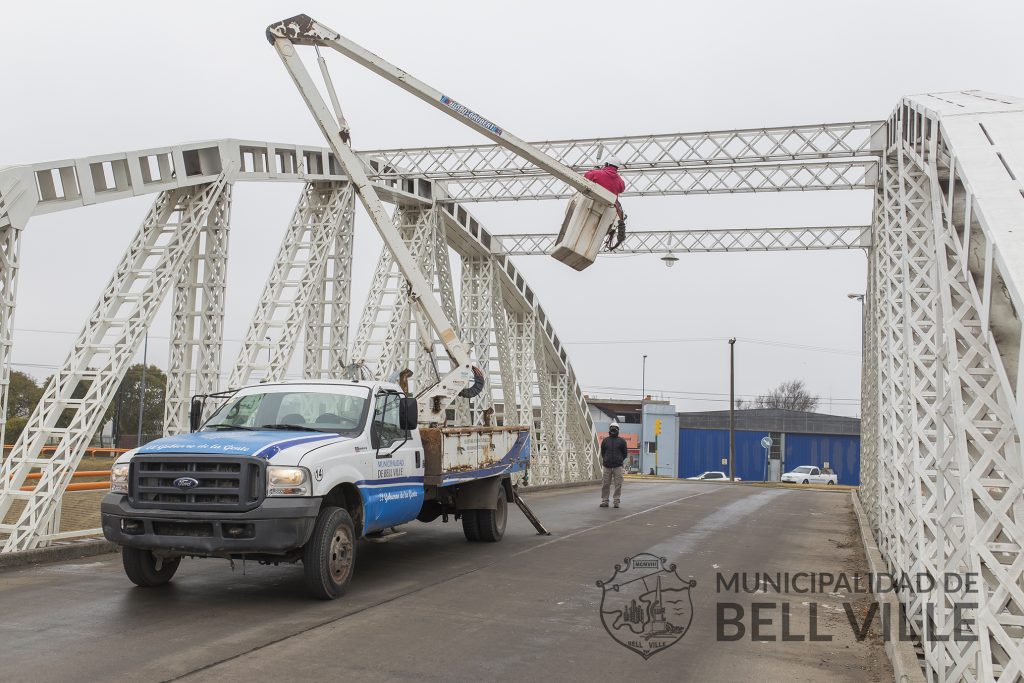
<point x="491" y="523"/>
<point x="330" y="555"/>
<point x="471" y="525"/>
<point x="141" y="567"/>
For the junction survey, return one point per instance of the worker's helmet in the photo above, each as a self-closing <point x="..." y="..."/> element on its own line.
<point x="613" y="161"/>
<point x="614" y="429"/>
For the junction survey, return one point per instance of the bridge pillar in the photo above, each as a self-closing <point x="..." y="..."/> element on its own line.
<point x="294" y="278"/>
<point x="477" y="318"/>
<point x="327" y="316"/>
<point x="197" y="319"/>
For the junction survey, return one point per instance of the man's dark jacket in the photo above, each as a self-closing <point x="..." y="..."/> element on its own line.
<point x="613" y="451"/>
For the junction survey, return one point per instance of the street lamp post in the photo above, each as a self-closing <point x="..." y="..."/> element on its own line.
<point x="863" y="326"/>
<point x="643" y="395"/>
<point x="732" y="409"/>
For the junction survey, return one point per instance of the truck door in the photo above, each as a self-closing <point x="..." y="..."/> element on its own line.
<point x="395" y="493"/>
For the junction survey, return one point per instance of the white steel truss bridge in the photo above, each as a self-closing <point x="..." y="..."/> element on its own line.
<point x="942" y="473"/>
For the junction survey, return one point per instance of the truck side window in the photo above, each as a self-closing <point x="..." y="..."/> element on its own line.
<point x="386" y="430"/>
<point x="243" y="412"/>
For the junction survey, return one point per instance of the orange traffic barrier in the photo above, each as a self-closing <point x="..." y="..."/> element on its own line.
<point x="77" y="486"/>
<point x="80" y="486"/>
<point x="89" y="451"/>
<point x="80" y="473"/>
<point x="89" y="486"/>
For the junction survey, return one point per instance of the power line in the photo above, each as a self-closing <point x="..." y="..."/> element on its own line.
<point x="708" y="396"/>
<point x="689" y="340"/>
<point x="681" y="391"/>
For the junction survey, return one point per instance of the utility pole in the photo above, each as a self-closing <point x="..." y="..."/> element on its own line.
<point x="732" y="409"/>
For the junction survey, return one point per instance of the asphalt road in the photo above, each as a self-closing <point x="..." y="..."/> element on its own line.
<point x="429" y="606"/>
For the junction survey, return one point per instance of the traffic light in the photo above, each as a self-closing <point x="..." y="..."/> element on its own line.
<point x="657" y="427"/>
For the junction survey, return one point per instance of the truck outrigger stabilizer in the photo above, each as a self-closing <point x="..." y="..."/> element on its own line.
<point x="528" y="512"/>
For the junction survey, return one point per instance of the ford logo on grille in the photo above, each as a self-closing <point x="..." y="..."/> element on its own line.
<point x="186" y="482"/>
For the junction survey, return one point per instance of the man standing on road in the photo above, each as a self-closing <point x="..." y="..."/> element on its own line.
<point x="613" y="455"/>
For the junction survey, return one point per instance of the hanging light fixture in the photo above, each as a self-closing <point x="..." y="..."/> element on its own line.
<point x="670" y="259"/>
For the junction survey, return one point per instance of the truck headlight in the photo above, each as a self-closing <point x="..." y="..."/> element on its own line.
<point x="119" y="478"/>
<point x="287" y="481"/>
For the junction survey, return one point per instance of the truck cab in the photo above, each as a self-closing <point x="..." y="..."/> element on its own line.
<point x="299" y="471"/>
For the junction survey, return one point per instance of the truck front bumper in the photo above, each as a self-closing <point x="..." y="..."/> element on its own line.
<point x="275" y="527"/>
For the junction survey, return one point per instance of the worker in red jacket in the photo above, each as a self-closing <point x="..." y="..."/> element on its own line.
<point x="608" y="177"/>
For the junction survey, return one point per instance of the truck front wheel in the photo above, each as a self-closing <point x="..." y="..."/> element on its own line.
<point x="330" y="555"/>
<point x="491" y="523"/>
<point x="141" y="567"/>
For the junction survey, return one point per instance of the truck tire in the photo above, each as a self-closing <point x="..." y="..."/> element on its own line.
<point x="471" y="525"/>
<point x="140" y="566"/>
<point x="330" y="555"/>
<point x="491" y="523"/>
<point x="830" y="482"/>
<point x="807" y="481"/>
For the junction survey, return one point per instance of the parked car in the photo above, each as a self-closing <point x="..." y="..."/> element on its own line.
<point x="808" y="474"/>
<point x="713" y="476"/>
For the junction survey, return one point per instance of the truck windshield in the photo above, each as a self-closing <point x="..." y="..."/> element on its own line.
<point x="341" y="410"/>
<point x="803" y="470"/>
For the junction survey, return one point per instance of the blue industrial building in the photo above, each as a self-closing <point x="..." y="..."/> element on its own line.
<point x="798" y="438"/>
<point x="692" y="443"/>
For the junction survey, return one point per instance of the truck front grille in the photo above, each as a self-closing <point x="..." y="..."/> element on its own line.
<point x="221" y="483"/>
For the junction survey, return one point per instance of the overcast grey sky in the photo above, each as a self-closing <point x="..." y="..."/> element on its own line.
<point x="92" y="78"/>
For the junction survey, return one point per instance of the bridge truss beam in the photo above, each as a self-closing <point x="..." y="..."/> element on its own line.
<point x="639" y="152"/>
<point x="740" y="239"/>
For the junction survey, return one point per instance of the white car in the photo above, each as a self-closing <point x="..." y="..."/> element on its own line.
<point x="712" y="476"/>
<point x="808" y="474"/>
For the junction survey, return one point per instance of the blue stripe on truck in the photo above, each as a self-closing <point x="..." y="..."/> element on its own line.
<point x="388" y="505"/>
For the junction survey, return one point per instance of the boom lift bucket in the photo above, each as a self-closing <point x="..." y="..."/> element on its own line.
<point x="583" y="231"/>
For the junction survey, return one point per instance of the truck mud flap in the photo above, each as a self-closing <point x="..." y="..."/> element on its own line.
<point x="529" y="514"/>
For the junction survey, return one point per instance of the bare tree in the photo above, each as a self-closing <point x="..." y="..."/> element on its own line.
<point x="791" y="395"/>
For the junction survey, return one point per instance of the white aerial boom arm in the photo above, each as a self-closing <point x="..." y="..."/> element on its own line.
<point x="304" y="30"/>
<point x="464" y="380"/>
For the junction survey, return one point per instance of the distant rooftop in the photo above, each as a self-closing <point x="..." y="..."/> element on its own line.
<point x="772" y="420"/>
<point x="615" y="406"/>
